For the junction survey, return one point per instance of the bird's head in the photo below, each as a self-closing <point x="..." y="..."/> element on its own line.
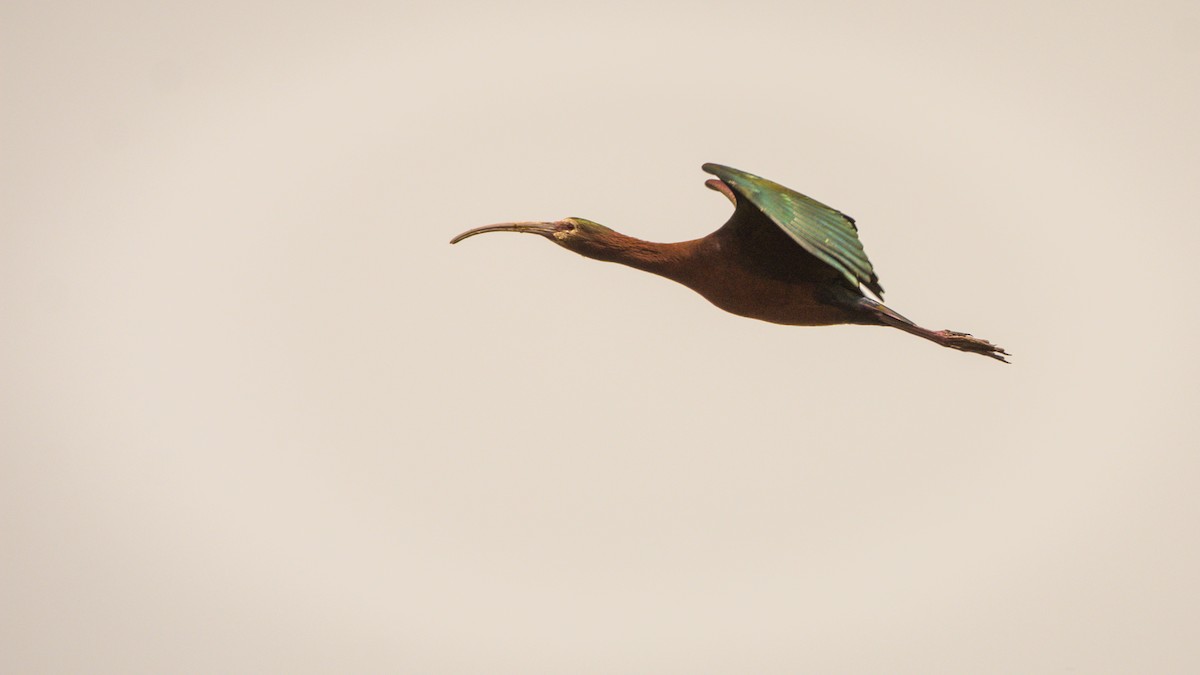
<point x="576" y="234"/>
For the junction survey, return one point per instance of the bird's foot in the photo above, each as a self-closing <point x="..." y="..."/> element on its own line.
<point x="969" y="343"/>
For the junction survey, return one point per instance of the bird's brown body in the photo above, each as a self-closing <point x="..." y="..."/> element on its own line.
<point x="782" y="258"/>
<point x="742" y="292"/>
<point x="732" y="275"/>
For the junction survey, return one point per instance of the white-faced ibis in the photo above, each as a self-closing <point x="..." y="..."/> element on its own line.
<point x="782" y="257"/>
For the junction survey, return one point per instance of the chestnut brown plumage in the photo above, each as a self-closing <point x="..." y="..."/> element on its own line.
<point x="782" y="257"/>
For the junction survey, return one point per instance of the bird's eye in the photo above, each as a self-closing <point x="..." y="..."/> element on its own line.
<point x="564" y="226"/>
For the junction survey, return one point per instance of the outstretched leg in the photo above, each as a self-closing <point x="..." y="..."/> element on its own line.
<point x="946" y="338"/>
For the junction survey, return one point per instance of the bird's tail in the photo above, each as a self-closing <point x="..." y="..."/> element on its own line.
<point x="947" y="338"/>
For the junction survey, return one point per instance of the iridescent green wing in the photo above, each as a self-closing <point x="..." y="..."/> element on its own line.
<point x="827" y="233"/>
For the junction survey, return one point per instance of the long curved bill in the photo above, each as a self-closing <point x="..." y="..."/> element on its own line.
<point x="544" y="229"/>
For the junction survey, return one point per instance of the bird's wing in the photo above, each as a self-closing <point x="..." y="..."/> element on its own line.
<point x="827" y="233"/>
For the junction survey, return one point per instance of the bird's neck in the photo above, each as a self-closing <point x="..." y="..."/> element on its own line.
<point x="667" y="260"/>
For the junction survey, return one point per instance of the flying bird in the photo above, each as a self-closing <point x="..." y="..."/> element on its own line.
<point x="782" y="257"/>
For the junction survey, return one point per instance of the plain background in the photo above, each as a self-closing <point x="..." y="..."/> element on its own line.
<point x="258" y="416"/>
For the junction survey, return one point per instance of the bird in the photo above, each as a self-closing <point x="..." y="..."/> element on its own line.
<point x="782" y="257"/>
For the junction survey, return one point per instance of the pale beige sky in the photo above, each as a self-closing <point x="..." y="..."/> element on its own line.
<point x="258" y="415"/>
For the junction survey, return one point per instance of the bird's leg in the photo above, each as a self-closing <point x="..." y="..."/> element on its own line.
<point x="947" y="338"/>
